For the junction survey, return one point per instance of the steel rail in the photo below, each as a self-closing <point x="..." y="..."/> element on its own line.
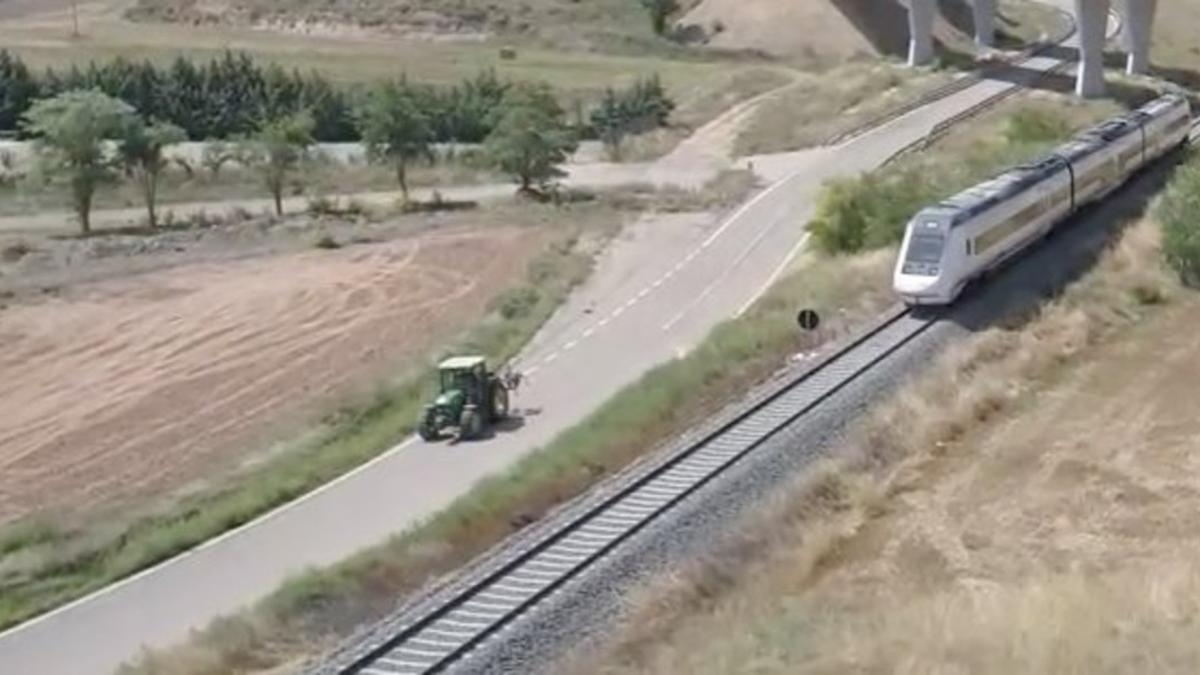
<point x="957" y="85"/>
<point x="455" y="625"/>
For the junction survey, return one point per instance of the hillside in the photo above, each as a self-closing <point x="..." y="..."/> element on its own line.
<point x="589" y="24"/>
<point x="830" y="29"/>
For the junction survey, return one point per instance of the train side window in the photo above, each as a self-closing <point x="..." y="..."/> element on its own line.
<point x="968" y="242"/>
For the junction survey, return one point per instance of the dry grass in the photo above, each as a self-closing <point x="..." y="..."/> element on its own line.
<point x="835" y="578"/>
<point x="34" y="194"/>
<point x="822" y="105"/>
<point x="729" y="188"/>
<point x="699" y="105"/>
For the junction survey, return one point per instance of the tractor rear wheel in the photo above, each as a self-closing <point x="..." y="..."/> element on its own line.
<point x="470" y="425"/>
<point x="499" y="401"/>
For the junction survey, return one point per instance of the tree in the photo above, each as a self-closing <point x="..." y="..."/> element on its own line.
<point x="531" y="139"/>
<point x="70" y="129"/>
<point x="141" y="150"/>
<point x="611" y="123"/>
<point x="216" y="155"/>
<point x="660" y="10"/>
<point x="394" y="129"/>
<point x="643" y="107"/>
<point x="18" y="89"/>
<point x="276" y="149"/>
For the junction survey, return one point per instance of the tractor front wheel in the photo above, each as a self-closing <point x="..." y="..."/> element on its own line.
<point x="470" y="425"/>
<point x="428" y="428"/>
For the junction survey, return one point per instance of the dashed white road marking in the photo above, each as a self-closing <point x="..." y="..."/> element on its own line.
<point x="715" y="283"/>
<point x="570" y="345"/>
<point x="550" y="357"/>
<point x="744" y="208"/>
<point x="589" y="332"/>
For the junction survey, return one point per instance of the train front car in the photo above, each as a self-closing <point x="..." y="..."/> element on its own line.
<point x="1166" y="122"/>
<point x="924" y="274"/>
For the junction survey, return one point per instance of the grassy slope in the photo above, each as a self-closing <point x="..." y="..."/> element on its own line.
<point x="1021" y="508"/>
<point x="597" y="23"/>
<point x="314" y="609"/>
<point x="999" y="516"/>
<point x="821" y="105"/>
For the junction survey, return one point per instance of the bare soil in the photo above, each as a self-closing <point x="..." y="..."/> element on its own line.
<point x="129" y="385"/>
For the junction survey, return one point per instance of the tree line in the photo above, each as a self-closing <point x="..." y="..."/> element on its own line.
<point x="85" y="138"/>
<point x="231" y="95"/>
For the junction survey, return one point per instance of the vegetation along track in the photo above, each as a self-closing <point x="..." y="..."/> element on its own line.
<point x="452" y="627"/>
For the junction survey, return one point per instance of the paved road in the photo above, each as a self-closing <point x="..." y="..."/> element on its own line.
<point x="655" y="295"/>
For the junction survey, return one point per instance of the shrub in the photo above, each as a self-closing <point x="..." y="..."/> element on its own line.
<point x="326" y="242"/>
<point x="321" y="205"/>
<point x="15" y="251"/>
<point x="517" y="302"/>
<point x="871" y="210"/>
<point x="1179" y="215"/>
<point x="1035" y="125"/>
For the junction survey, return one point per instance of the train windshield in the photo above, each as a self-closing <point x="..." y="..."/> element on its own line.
<point x="926" y="248"/>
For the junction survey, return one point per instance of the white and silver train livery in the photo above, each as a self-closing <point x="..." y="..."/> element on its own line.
<point x="949" y="244"/>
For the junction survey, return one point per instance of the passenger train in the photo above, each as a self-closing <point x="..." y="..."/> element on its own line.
<point x="949" y="244"/>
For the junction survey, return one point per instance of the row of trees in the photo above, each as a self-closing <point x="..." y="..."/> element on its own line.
<point x="231" y="95"/>
<point x="86" y="137"/>
<point x="222" y="98"/>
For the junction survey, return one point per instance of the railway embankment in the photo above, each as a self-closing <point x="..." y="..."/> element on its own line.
<point x="1027" y="504"/>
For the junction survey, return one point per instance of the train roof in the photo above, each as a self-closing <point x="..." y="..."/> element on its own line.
<point x="975" y="200"/>
<point x="1162" y="103"/>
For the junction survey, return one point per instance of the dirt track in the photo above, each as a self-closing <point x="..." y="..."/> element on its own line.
<point x="137" y="385"/>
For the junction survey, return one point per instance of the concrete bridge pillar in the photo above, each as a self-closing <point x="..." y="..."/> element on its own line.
<point x="985" y="22"/>
<point x="1091" y="16"/>
<point x="920" y="31"/>
<point x="1136" y="33"/>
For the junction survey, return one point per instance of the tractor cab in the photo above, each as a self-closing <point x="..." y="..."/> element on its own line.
<point x="470" y="398"/>
<point x="461" y="377"/>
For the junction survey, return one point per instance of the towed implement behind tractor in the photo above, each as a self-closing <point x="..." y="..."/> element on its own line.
<point x="470" y="399"/>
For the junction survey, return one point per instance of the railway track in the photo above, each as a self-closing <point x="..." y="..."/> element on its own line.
<point x="459" y="623"/>
<point x="959" y="84"/>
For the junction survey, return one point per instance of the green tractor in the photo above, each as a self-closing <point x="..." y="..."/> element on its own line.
<point x="470" y="399"/>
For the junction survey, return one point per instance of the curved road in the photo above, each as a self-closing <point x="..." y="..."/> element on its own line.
<point x="638" y="312"/>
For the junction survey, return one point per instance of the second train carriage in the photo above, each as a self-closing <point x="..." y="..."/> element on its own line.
<point x="947" y="245"/>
